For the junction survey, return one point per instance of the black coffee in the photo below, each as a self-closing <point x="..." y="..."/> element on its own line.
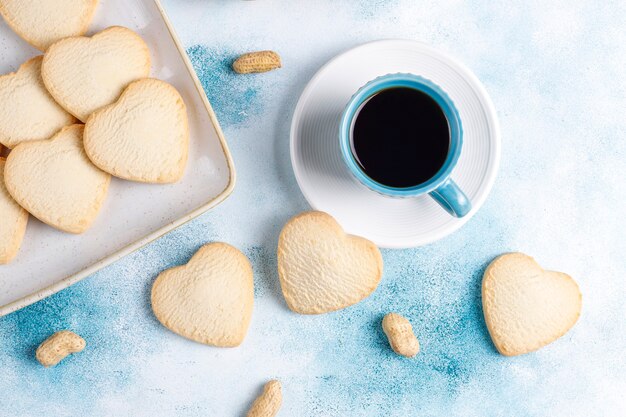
<point x="400" y="137"/>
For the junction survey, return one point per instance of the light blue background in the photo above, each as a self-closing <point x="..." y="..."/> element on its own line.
<point x="555" y="71"/>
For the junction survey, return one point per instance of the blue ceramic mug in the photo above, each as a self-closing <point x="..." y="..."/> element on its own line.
<point x="440" y="186"/>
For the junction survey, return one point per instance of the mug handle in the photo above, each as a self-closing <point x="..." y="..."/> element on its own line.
<point x="452" y="199"/>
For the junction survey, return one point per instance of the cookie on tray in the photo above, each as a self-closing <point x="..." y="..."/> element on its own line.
<point x="27" y="111"/>
<point x="84" y="74"/>
<point x="13" y="224"/>
<point x="55" y="181"/>
<point x="43" y="22"/>
<point x="144" y="136"/>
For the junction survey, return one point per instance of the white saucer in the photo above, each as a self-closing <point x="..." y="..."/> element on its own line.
<point x="325" y="180"/>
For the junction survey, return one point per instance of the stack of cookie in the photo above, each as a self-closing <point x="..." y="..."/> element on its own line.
<point x="80" y="113"/>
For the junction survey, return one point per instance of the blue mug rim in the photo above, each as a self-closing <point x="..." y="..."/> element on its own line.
<point x="418" y="83"/>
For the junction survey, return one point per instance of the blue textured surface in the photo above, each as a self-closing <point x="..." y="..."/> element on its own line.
<point x="555" y="71"/>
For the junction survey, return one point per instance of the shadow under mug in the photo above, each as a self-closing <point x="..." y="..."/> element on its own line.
<point x="440" y="186"/>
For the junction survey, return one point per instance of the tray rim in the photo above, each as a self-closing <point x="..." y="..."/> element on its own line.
<point x="73" y="279"/>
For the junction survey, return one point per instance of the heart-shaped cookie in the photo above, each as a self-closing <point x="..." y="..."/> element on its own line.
<point x="525" y="306"/>
<point x="321" y="268"/>
<point x="144" y="136"/>
<point x="12" y="224"/>
<point x="84" y="74"/>
<point x="27" y="111"/>
<point x="55" y="181"/>
<point x="210" y="299"/>
<point x="43" y="22"/>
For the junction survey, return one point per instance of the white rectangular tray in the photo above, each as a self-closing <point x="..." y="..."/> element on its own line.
<point x="134" y="214"/>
